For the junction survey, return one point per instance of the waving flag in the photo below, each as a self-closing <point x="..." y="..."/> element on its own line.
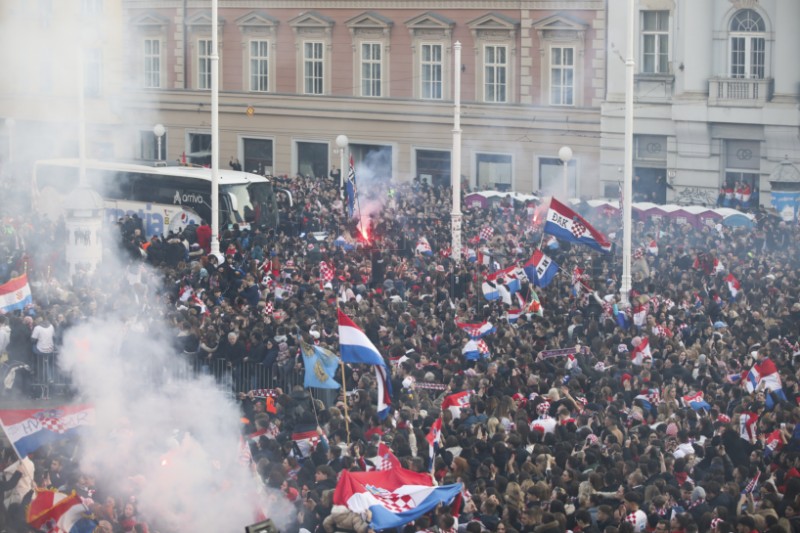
<point x="15" y="294"/>
<point x="513" y="314"/>
<point x="540" y="269"/>
<point x="306" y="441"/>
<point x="423" y="246"/>
<point x="434" y="438"/>
<point x="477" y="331"/>
<point x="350" y="188"/>
<point x="510" y="277"/>
<point x="394" y="497"/>
<point x="765" y="373"/>
<point x="49" y="506"/>
<point x="357" y="348"/>
<point x="30" y="429"/>
<point x="696" y="401"/>
<point x="487" y="233"/>
<point x="456" y="402"/>
<point x="652" y="247"/>
<point x="320" y="366"/>
<point x="326" y="272"/>
<point x="535" y="306"/>
<point x="385" y="460"/>
<point x="733" y="285"/>
<point x="567" y="225"/>
<point x="641" y="352"/>
<point x="490" y="291"/>
<point x="640" y="315"/>
<point x="475" y="349"/>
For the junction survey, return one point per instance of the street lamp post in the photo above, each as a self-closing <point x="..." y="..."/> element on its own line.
<point x="214" y="128"/>
<point x="565" y="155"/>
<point x="342" y="141"/>
<point x="455" y="158"/>
<point x="159" y="130"/>
<point x="627" y="189"/>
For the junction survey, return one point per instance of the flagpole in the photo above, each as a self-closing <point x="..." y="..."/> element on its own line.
<point x="344" y="386"/>
<point x="14" y="446"/>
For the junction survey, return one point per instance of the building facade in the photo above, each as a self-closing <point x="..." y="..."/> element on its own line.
<point x="296" y="74"/>
<point x="717" y="87"/>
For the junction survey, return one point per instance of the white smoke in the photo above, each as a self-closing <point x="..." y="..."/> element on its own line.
<point x="162" y="434"/>
<point x="373" y="174"/>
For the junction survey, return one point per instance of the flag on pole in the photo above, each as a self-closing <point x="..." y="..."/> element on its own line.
<point x="350" y="189"/>
<point x="540" y="269"/>
<point x="535" y="306"/>
<point x="434" y="438"/>
<point x="567" y="225"/>
<point x="320" y="366"/>
<point x="356" y="347"/>
<point x="15" y="294"/>
<point x="733" y="285"/>
<point x="385" y="460"/>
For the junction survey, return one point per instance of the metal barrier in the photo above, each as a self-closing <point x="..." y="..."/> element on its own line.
<point x="48" y="380"/>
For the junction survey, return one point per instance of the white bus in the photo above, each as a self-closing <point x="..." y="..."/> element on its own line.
<point x="166" y="198"/>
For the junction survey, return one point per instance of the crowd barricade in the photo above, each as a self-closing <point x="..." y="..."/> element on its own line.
<point x="46" y="378"/>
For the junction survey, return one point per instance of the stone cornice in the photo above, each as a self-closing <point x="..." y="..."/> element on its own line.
<point x="377" y="5"/>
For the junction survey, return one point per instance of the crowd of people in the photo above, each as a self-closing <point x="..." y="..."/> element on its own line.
<point x="594" y="439"/>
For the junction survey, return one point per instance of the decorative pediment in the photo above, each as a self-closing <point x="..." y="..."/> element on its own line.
<point x="201" y="21"/>
<point x="257" y="22"/>
<point x="430" y="23"/>
<point x="560" y="27"/>
<point x="493" y="26"/>
<point x="493" y="21"/>
<point x="150" y="20"/>
<point x="369" y="23"/>
<point x="311" y="21"/>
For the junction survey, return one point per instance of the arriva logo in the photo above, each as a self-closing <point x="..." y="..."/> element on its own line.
<point x="187" y="198"/>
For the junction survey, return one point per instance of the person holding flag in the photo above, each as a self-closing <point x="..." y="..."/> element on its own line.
<point x="356" y="347"/>
<point x="567" y="225"/>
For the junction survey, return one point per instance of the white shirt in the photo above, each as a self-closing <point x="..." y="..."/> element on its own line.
<point x="44" y="337"/>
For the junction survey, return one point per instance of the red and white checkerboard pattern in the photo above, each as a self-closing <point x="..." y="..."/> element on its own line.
<point x="578" y="229"/>
<point x="396" y="503"/>
<point x="326" y="272"/>
<point x="54" y="424"/>
<point x="269" y="308"/>
<point x="487" y="233"/>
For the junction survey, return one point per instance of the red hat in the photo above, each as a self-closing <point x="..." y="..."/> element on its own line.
<point x="626" y="377"/>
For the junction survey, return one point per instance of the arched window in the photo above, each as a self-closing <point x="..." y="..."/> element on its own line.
<point x="747" y="45"/>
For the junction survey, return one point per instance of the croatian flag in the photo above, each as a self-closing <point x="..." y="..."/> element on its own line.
<point x="641" y="353"/>
<point x="696" y="401"/>
<point x="456" y="402"/>
<point x="490" y="290"/>
<point x="477" y="331"/>
<point x="394" y="497"/>
<point x="434" y="438"/>
<point x="652" y="247"/>
<point x="510" y="277"/>
<point x="385" y="460"/>
<point x="56" y="511"/>
<point x="767" y="373"/>
<point x="640" y="315"/>
<point x="475" y="349"/>
<point x="306" y="441"/>
<point x="567" y="225"/>
<point x="15" y="294"/>
<point x="357" y="348"/>
<point x="540" y="269"/>
<point x="733" y="284"/>
<point x="423" y="246"/>
<point x="30" y="429"/>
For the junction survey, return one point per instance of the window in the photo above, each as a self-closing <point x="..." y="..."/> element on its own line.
<point x="370" y="69"/>
<point x="148" y="143"/>
<point x="495" y="65"/>
<point x="494" y="171"/>
<point x="204" y="64"/>
<point x="551" y="177"/>
<point x="431" y="71"/>
<point x="152" y="63"/>
<point x="748" y="45"/>
<point x="199" y="148"/>
<point x="259" y="66"/>
<point x="257" y="156"/>
<point x="93" y="72"/>
<point x="655" y="42"/>
<point x="91" y="7"/>
<point x="313" y="62"/>
<point x="562" y="75"/>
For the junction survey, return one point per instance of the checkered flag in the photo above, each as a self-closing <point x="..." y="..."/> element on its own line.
<point x="578" y="229"/>
<point x="487" y="233"/>
<point x="326" y="272"/>
<point x="751" y="485"/>
<point x="269" y="308"/>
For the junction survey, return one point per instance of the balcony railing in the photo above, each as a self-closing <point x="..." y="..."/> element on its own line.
<point x="737" y="92"/>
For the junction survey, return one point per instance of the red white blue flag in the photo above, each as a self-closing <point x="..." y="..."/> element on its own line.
<point x="567" y="225"/>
